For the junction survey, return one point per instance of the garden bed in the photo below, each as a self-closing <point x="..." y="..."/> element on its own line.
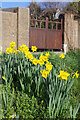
<point x="40" y="86"/>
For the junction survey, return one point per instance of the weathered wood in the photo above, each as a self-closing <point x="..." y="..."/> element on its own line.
<point x="44" y="38"/>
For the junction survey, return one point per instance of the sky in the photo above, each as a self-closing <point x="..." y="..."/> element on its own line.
<point x="22" y="3"/>
<point x="14" y="4"/>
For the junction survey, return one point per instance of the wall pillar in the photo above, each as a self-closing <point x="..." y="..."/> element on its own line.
<point x="23" y="26"/>
<point x="0" y="29"/>
<point x="79" y="33"/>
<point x="0" y="63"/>
<point x="71" y="31"/>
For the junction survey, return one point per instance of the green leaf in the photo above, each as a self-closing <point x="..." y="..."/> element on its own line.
<point x="12" y="98"/>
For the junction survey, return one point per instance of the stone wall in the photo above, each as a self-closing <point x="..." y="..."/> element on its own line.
<point x="79" y="33"/>
<point x="71" y="31"/>
<point x="10" y="10"/>
<point x="9" y="29"/>
<point x="0" y="29"/>
<point x="15" y="27"/>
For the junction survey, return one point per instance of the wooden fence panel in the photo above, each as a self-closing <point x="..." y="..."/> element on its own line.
<point x="48" y="37"/>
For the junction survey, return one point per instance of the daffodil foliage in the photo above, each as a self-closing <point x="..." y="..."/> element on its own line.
<point x="39" y="77"/>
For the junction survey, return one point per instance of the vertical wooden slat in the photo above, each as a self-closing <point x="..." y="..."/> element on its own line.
<point x="40" y="24"/>
<point x="61" y="24"/>
<point x="46" y="22"/>
<point x="45" y="38"/>
<point x="35" y="23"/>
<point x="51" y="25"/>
<point x="56" y="26"/>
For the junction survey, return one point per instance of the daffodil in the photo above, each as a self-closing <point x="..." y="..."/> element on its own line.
<point x="41" y="56"/>
<point x="47" y="54"/>
<point x="34" y="48"/>
<point x="76" y="74"/>
<point x="63" y="75"/>
<point x="14" y="51"/>
<point x="25" y="49"/>
<point x="44" y="58"/>
<point x="48" y="66"/>
<point x="9" y="118"/>
<point x="62" y="56"/>
<point x="29" y="56"/>
<point x="41" y="62"/>
<point x="44" y="73"/>
<point x="12" y="44"/>
<point x="9" y="50"/>
<point x="20" y="49"/>
<point x="3" y="77"/>
<point x="35" y="61"/>
<point x="23" y="45"/>
<point x="0" y="52"/>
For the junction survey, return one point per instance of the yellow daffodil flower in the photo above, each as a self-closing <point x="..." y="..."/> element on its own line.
<point x="3" y="77"/>
<point x="14" y="51"/>
<point x="45" y="58"/>
<point x="62" y="56"/>
<point x="9" y="50"/>
<point x="12" y="44"/>
<point x="42" y="57"/>
<point x="48" y="66"/>
<point x="44" y="73"/>
<point x="47" y="54"/>
<point x="63" y="75"/>
<point x="23" y="45"/>
<point x="29" y="56"/>
<point x="0" y="52"/>
<point x="34" y="48"/>
<point x="76" y="74"/>
<point x="35" y="61"/>
<point x="9" y="118"/>
<point x="25" y="49"/>
<point x="41" y="62"/>
<point x="20" y="49"/>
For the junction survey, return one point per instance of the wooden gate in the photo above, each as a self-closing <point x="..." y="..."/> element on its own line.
<point x="45" y="34"/>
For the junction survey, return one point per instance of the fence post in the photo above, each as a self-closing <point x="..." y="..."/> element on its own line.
<point x="46" y="22"/>
<point x="61" y="25"/>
